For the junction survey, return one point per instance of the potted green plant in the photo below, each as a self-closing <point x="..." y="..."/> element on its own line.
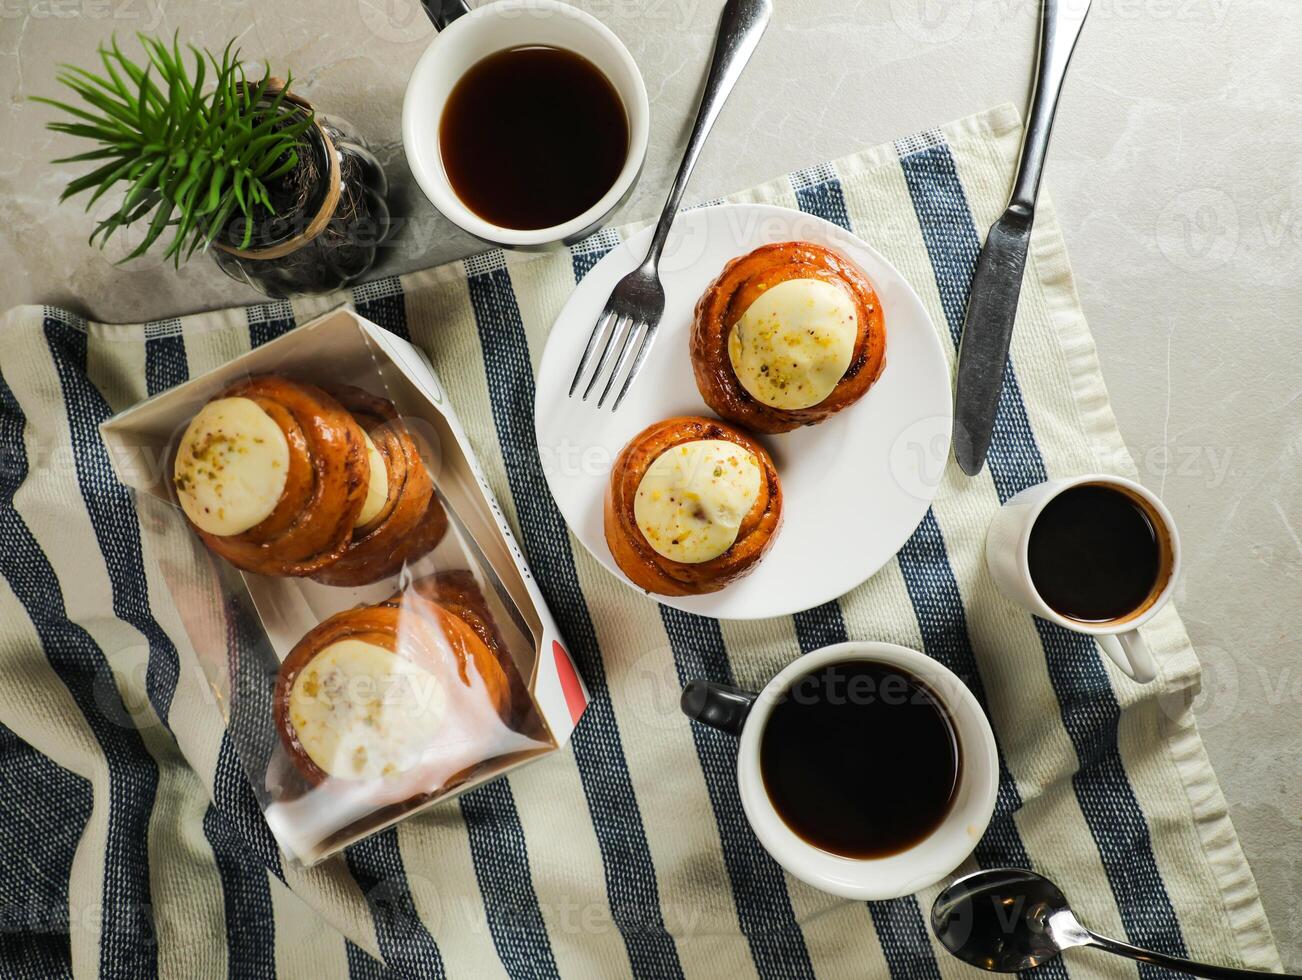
<point x="281" y="197"/>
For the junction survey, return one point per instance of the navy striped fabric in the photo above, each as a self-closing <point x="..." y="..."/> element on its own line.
<point x="89" y="832"/>
<point x="252" y="667"/>
<point x="166" y="364"/>
<point x="267" y="321"/>
<point x="501" y="858"/>
<point x="246" y="891"/>
<point x="363" y="966"/>
<point x="405" y="941"/>
<point x="759" y="888"/>
<point x="250" y="921"/>
<point x="44" y="813"/>
<point x="937" y="603"/>
<point x="238" y="807"/>
<point x="243" y="849"/>
<point x="626" y="858"/>
<point x="112" y="516"/>
<point x="498" y="848"/>
<point x="899" y="923"/>
<point x="1089" y="707"/>
<point x="382" y="302"/>
<point x="127" y="947"/>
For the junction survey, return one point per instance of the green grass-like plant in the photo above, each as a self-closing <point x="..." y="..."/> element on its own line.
<point x="192" y="154"/>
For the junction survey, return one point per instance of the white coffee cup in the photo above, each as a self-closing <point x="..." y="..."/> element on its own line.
<point x="467" y="37"/>
<point x="1007" y="549"/>
<point x="865" y="879"/>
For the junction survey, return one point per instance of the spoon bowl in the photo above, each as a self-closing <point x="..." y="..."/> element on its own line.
<point x="1004" y="920"/>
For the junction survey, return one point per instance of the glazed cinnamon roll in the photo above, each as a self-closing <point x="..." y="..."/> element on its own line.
<point x="401" y="519"/>
<point x="457" y="591"/>
<point x="692" y="505"/>
<point x="787" y="336"/>
<point x="403" y="697"/>
<point x="273" y="475"/>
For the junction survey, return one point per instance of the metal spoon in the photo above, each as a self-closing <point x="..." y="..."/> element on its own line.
<point x="1004" y="920"/>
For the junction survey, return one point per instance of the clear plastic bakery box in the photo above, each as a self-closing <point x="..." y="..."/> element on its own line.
<point x="351" y="706"/>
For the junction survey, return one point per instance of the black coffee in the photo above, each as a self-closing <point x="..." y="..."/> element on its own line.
<point x="532" y="137"/>
<point x="860" y="759"/>
<point x="1094" y="554"/>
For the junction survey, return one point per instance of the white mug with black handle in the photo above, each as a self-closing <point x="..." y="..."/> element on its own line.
<point x="1007" y="556"/>
<point x="936" y="852"/>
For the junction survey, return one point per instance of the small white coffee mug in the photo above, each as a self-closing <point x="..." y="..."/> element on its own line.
<point x="466" y="38"/>
<point x="865" y="879"/>
<point x="1007" y="544"/>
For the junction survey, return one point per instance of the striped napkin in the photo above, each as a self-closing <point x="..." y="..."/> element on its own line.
<point x="130" y="843"/>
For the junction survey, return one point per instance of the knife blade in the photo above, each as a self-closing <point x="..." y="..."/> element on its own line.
<point x="997" y="282"/>
<point x="987" y="332"/>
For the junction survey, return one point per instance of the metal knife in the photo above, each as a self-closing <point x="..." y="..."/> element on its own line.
<point x="992" y="302"/>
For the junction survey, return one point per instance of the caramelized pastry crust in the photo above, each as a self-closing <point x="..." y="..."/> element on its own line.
<point x="457" y="591"/>
<point x="439" y="653"/>
<point x="650" y="568"/>
<point x="743" y="281"/>
<point x="325" y="482"/>
<point x="411" y="520"/>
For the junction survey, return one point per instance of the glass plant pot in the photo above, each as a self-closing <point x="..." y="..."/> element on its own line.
<point x="331" y="234"/>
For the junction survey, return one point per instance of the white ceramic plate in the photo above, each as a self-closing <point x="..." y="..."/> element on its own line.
<point x="854" y="487"/>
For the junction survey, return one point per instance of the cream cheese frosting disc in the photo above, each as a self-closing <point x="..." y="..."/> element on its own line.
<point x="794" y="343"/>
<point x="693" y="498"/>
<point x="231" y="466"/>
<point x="361" y="711"/>
<point x="377" y="488"/>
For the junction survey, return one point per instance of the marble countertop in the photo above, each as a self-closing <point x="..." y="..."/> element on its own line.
<point x="1177" y="175"/>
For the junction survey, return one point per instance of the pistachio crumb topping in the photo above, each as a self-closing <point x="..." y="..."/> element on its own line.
<point x="794" y="343"/>
<point x="692" y="500"/>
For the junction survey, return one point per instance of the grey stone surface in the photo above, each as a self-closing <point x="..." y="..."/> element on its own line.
<point x="1176" y="171"/>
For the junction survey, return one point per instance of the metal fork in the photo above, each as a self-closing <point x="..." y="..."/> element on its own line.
<point x="637" y="302"/>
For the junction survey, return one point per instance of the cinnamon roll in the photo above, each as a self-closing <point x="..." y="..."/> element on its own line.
<point x="457" y="591"/>
<point x="273" y="475"/>
<point x="402" y="519"/>
<point x="692" y="505"/>
<point x="786" y="336"/>
<point x="402" y="697"/>
<point x="280" y="477"/>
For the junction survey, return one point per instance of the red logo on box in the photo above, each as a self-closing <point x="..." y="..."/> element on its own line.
<point x="570" y="686"/>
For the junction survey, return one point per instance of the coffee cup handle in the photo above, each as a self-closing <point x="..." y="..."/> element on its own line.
<point x="717" y="705"/>
<point x="1129" y="652"/>
<point x="444" y="12"/>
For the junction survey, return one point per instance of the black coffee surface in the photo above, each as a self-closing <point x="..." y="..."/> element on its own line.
<point x="532" y="137"/>
<point x="860" y="759"/>
<point x="1094" y="554"/>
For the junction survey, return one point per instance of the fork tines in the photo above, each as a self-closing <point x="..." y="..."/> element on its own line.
<point x="611" y="330"/>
